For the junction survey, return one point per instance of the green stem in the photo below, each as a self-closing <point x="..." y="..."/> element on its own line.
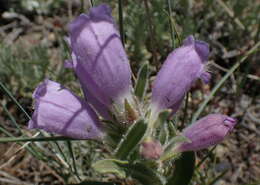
<point x="69" y="144"/>
<point x="14" y="100"/>
<point x="170" y="22"/>
<point x="121" y="21"/>
<point x="151" y="31"/>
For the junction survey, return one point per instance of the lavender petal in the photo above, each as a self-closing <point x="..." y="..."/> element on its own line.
<point x="59" y="111"/>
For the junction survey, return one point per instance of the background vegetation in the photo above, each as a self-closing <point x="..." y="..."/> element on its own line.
<point x="32" y="48"/>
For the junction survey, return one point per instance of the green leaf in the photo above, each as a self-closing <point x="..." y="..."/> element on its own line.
<point x="110" y="166"/>
<point x="131" y="139"/>
<point x="114" y="133"/>
<point x="184" y="168"/>
<point x="176" y="140"/>
<point x="142" y="81"/>
<point x="130" y="112"/>
<point x="169" y="153"/>
<point x="164" y="134"/>
<point x="162" y="118"/>
<point x="145" y="175"/>
<point x="162" y="124"/>
<point x="8" y="93"/>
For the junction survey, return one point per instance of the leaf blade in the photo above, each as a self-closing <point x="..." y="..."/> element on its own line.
<point x="184" y="169"/>
<point x="142" y="81"/>
<point x="131" y="139"/>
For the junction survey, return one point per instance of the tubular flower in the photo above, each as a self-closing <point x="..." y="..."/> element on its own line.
<point x="99" y="60"/>
<point x="180" y="70"/>
<point x="103" y="70"/>
<point x="59" y="111"/>
<point x="102" y="67"/>
<point x="207" y="132"/>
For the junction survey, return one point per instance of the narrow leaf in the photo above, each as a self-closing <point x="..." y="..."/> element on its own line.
<point x="142" y="81"/>
<point x="130" y="112"/>
<point x="131" y="139"/>
<point x="164" y="134"/>
<point x="145" y="175"/>
<point x="176" y="140"/>
<point x="110" y="166"/>
<point x="169" y="153"/>
<point x="69" y="145"/>
<point x="218" y="177"/>
<point x="8" y="93"/>
<point x="184" y="168"/>
<point x="162" y="118"/>
<point x="115" y="132"/>
<point x="121" y="21"/>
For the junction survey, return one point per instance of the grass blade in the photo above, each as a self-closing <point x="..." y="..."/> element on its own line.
<point x="218" y="177"/>
<point x="121" y="21"/>
<point x="11" y="118"/>
<point x="170" y="22"/>
<point x="221" y="82"/>
<point x="37" y="139"/>
<point x="69" y="144"/>
<point x="204" y="158"/>
<point x="9" y="94"/>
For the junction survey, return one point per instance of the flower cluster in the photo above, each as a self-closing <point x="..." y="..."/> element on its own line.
<point x="102" y="67"/>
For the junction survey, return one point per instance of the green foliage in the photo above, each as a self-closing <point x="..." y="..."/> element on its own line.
<point x="145" y="175"/>
<point x="142" y="81"/>
<point x="45" y="7"/>
<point x="150" y="31"/>
<point x="184" y="167"/>
<point x="22" y="70"/>
<point x="131" y="139"/>
<point x="111" y="166"/>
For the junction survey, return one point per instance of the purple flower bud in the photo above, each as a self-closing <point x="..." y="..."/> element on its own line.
<point x="151" y="149"/>
<point x="206" y="132"/>
<point x="99" y="59"/>
<point x="180" y="70"/>
<point x="59" y="111"/>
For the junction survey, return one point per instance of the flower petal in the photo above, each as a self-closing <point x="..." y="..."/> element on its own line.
<point x="207" y="132"/>
<point x="101" y="63"/>
<point x="180" y="70"/>
<point x="59" y="111"/>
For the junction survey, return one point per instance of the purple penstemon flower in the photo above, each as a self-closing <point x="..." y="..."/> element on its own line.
<point x="206" y="132"/>
<point x="102" y="67"/>
<point x="99" y="60"/>
<point x="180" y="70"/>
<point x="57" y="110"/>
